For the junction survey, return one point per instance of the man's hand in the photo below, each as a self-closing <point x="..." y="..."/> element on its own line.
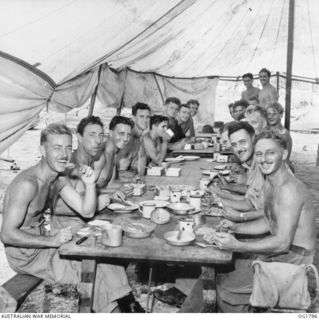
<point x="103" y="201"/>
<point x="63" y="236"/>
<point x="118" y="195"/>
<point x="226" y="225"/>
<point x="166" y="137"/>
<point x="223" y="182"/>
<point x="225" y="241"/>
<point x="87" y="175"/>
<point x="239" y="178"/>
<point x="232" y="214"/>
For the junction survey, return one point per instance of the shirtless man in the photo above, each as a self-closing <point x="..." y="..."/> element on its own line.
<point x="120" y="134"/>
<point x="171" y="108"/>
<point x="250" y="205"/>
<point x="289" y="219"/>
<point x="275" y="112"/>
<point x="127" y="158"/>
<point x="250" y="91"/>
<point x="268" y="93"/>
<point x="154" y="143"/>
<point x="30" y="248"/>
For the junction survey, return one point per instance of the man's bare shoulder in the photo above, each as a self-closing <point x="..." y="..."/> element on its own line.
<point x="26" y="181"/>
<point x="293" y="190"/>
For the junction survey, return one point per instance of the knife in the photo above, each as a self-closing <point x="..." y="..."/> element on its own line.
<point x="81" y="240"/>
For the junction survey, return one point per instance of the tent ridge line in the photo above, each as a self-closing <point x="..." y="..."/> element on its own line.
<point x="29" y="67"/>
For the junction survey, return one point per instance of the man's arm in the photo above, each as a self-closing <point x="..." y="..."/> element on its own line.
<point x="83" y="203"/>
<point x="238" y="216"/>
<point x="288" y="205"/>
<point x="106" y="171"/>
<point x="191" y="128"/>
<point x="150" y="149"/>
<point x="15" y="214"/>
<point x="98" y="167"/>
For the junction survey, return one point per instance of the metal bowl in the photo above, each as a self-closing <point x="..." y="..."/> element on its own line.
<point x="160" y="216"/>
<point x="138" y="230"/>
<point x="186" y="238"/>
<point x="180" y="208"/>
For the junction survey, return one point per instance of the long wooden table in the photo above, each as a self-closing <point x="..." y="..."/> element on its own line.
<point x="203" y="153"/>
<point x="153" y="249"/>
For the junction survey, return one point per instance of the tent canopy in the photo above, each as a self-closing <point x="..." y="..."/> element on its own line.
<point x="180" y="38"/>
<point x="51" y="51"/>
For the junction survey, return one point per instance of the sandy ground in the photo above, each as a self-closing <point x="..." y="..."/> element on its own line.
<point x="26" y="152"/>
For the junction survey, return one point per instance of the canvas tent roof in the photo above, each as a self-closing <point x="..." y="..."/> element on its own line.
<point x="61" y="43"/>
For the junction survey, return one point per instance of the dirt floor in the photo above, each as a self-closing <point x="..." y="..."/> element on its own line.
<point x="26" y="152"/>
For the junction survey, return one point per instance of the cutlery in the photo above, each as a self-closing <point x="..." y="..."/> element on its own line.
<point x="81" y="240"/>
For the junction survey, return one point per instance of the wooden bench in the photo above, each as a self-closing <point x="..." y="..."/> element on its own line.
<point x="15" y="290"/>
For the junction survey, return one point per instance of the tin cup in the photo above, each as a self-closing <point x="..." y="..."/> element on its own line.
<point x="112" y="235"/>
<point x="147" y="208"/>
<point x="186" y="224"/>
<point x="175" y="196"/>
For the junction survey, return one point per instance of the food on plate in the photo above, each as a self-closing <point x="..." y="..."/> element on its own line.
<point x="136" y="227"/>
<point x="207" y="235"/>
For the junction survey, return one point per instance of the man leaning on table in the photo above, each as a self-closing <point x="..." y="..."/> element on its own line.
<point x="30" y="246"/>
<point x="249" y="203"/>
<point x="288" y="226"/>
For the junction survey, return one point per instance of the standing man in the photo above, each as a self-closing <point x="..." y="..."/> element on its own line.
<point x="250" y="91"/>
<point x="268" y="93"/>
<point x="120" y="133"/>
<point x="250" y="205"/>
<point x="30" y="248"/>
<point x="127" y="158"/>
<point x="288" y="225"/>
<point x="154" y="143"/>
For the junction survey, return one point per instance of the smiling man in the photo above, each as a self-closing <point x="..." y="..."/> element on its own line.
<point x="268" y="93"/>
<point x="250" y="91"/>
<point x="127" y="158"/>
<point x="241" y="137"/>
<point x="288" y="225"/>
<point x="120" y="131"/>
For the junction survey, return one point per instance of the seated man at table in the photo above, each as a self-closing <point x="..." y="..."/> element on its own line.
<point x="29" y="246"/>
<point x="127" y="158"/>
<point x="239" y="109"/>
<point x="250" y="205"/>
<point x="90" y="134"/>
<point x="288" y="226"/>
<point x="120" y="133"/>
<point x="197" y="123"/>
<point x="171" y="108"/>
<point x="185" y="121"/>
<point x="154" y="144"/>
<point x="257" y="118"/>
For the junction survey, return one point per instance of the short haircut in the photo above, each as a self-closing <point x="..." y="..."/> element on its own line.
<point x="240" y="125"/>
<point x="227" y="125"/>
<point x="242" y="103"/>
<point x="248" y="75"/>
<point x="193" y="101"/>
<point x="265" y="70"/>
<point x="55" y="128"/>
<point x="86" y="121"/>
<point x="140" y="106"/>
<point x="120" y="120"/>
<point x="262" y="111"/>
<point x="157" y="119"/>
<point x="270" y="134"/>
<point x="231" y="105"/>
<point x="183" y="106"/>
<point x="253" y="98"/>
<point x="173" y="100"/>
<point x="276" y="106"/>
<point x="207" y="129"/>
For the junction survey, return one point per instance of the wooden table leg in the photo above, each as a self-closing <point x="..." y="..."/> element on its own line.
<point x="86" y="286"/>
<point x="209" y="289"/>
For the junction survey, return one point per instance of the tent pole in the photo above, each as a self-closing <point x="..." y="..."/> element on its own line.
<point x="95" y="91"/>
<point x="290" y="51"/>
<point x="277" y="84"/>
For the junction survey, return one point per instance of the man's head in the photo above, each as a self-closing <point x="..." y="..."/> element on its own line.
<point x="239" y="108"/>
<point x="252" y="101"/>
<point x="274" y="113"/>
<point x="257" y="119"/>
<point x="56" y="146"/>
<point x="231" y="110"/>
<point x="248" y="80"/>
<point x="241" y="138"/>
<point x="141" y="115"/>
<point x="193" y="107"/>
<point x="120" y="131"/>
<point x="158" y="125"/>
<point x="270" y="152"/>
<point x="90" y="134"/>
<point x="171" y="106"/>
<point x="264" y="76"/>
<point x="183" y="113"/>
